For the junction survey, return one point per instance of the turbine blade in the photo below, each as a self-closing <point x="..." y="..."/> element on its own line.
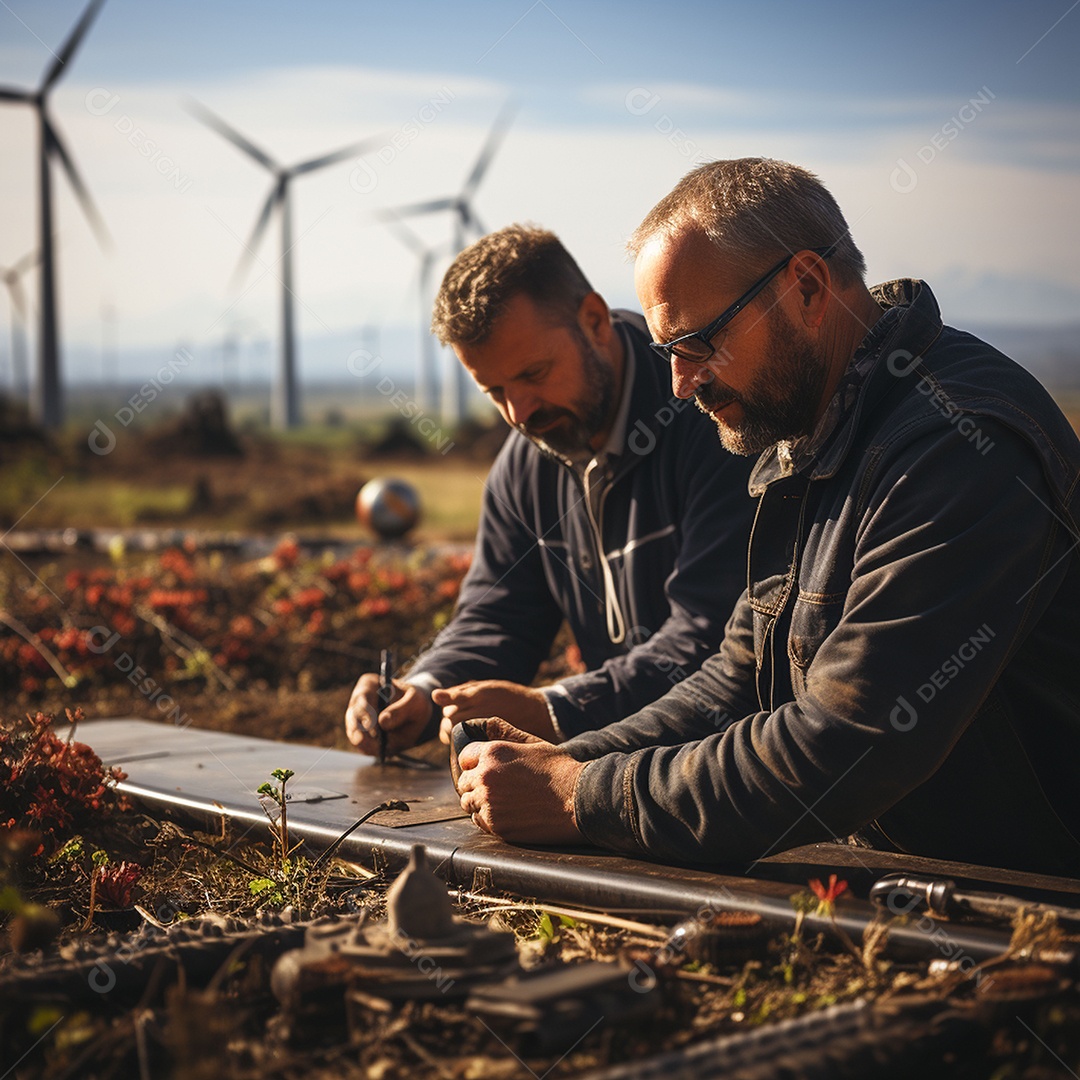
<point x="30" y="259"/>
<point x="275" y="196"/>
<point x="495" y="136"/>
<point x="97" y="223"/>
<point x="406" y="236"/>
<point x="332" y="159"/>
<point x="67" y="51"/>
<point x="226" y="131"/>
<point x="427" y="264"/>
<point x="412" y="209"/>
<point x="18" y="297"/>
<point x="10" y="93"/>
<point x="470" y="218"/>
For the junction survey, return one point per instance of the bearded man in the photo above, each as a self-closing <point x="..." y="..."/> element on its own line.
<point x="611" y="506"/>
<point x="901" y="670"/>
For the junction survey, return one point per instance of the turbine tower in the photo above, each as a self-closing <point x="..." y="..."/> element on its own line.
<point x="48" y="402"/>
<point x="465" y="222"/>
<point x="425" y="375"/>
<point x="285" y="402"/>
<point x="12" y="279"/>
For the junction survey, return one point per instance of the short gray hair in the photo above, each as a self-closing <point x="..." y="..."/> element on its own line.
<point x="755" y="210"/>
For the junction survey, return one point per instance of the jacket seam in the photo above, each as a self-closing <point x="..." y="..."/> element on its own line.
<point x="628" y="798"/>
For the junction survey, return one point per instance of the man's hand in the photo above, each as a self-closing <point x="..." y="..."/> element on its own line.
<point x="524" y="706"/>
<point x="519" y="788"/>
<point x="403" y="720"/>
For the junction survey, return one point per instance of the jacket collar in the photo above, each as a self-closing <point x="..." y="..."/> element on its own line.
<point x="909" y="337"/>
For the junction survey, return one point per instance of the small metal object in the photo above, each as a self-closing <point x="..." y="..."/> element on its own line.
<point x="721" y="937"/>
<point x="421" y="951"/>
<point x="462" y="734"/>
<point x="547" y="1008"/>
<point x="902" y="894"/>
<point x="386" y="695"/>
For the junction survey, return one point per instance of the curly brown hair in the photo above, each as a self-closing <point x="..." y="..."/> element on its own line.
<point x="489" y="273"/>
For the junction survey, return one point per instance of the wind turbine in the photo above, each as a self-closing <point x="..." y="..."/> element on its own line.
<point x="465" y="221"/>
<point x="12" y="279"/>
<point x="48" y="403"/>
<point x="284" y="404"/>
<point x="425" y="376"/>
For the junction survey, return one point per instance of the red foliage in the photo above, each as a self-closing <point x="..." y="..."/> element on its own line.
<point x="833" y="891"/>
<point x="115" y="882"/>
<point x="309" y="598"/>
<point x="51" y="784"/>
<point x="269" y="619"/>
<point x="175" y="561"/>
<point x="287" y="554"/>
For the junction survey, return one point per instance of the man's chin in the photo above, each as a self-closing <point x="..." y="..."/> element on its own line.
<point x="738" y="439"/>
<point x="564" y="447"/>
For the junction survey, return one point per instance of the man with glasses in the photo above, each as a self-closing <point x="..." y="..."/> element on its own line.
<point x="611" y="506"/>
<point x="901" y="668"/>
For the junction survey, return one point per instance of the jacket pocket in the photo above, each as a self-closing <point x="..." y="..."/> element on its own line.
<point x="813" y="618"/>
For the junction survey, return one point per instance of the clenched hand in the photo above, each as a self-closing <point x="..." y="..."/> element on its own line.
<point x="518" y="787"/>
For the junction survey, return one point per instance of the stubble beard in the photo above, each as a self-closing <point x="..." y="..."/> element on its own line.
<point x="588" y="416"/>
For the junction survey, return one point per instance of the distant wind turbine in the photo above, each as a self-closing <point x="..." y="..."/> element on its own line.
<point x="48" y="402"/>
<point x="425" y="375"/>
<point x="285" y="403"/>
<point x="12" y="279"/>
<point x="465" y="222"/>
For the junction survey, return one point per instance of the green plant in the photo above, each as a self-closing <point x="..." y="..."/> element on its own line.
<point x="272" y="795"/>
<point x="547" y="930"/>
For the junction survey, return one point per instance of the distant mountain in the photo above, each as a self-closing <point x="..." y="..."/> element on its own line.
<point x="1050" y="353"/>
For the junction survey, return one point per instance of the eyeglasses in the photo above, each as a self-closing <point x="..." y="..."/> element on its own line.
<point x="697" y="346"/>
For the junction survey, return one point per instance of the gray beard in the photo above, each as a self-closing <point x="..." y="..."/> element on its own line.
<point x="782" y="401"/>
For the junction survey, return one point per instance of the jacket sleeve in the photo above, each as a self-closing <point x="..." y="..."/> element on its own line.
<point x="712" y="513"/>
<point x="953" y="545"/>
<point x="706" y="702"/>
<point x="506" y="617"/>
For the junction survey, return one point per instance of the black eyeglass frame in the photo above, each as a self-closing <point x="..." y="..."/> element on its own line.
<point x="707" y="333"/>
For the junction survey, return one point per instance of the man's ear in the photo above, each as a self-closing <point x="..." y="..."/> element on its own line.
<point x="811" y="285"/>
<point x="594" y="318"/>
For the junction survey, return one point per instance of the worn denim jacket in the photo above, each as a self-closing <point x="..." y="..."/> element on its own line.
<point x="668" y="539"/>
<point x="905" y="663"/>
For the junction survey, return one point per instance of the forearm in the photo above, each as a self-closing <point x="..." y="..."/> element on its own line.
<point x="485" y="645"/>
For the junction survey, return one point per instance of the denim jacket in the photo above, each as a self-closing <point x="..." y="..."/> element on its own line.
<point x="904" y="666"/>
<point x="662" y="542"/>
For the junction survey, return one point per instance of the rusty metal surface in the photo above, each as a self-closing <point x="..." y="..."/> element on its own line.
<point x="217" y="773"/>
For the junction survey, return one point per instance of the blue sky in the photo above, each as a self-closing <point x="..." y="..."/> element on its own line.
<point x="852" y="47"/>
<point x="615" y="103"/>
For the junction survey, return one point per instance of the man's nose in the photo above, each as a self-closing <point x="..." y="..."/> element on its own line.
<point x="519" y="407"/>
<point x="686" y="377"/>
